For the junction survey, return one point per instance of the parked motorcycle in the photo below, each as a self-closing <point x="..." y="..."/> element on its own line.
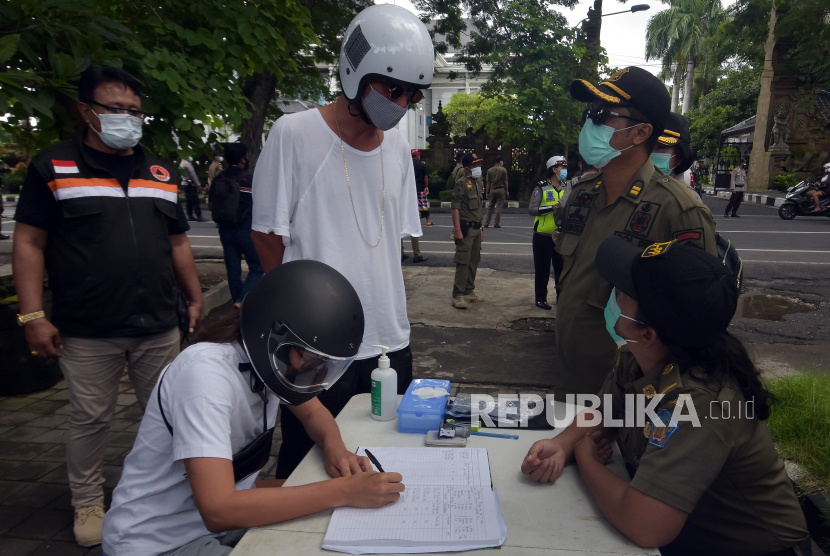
<point x="798" y="204"/>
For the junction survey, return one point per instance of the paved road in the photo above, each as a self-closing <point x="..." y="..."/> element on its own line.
<point x="770" y="247"/>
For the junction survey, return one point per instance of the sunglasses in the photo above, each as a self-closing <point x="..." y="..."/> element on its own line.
<point x="397" y="91"/>
<point x="599" y="116"/>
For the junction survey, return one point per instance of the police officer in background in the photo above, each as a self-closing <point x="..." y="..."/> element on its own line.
<point x="466" y="222"/>
<point x="627" y="198"/>
<point x="192" y="186"/>
<point x="497" y="190"/>
<point x="545" y="199"/>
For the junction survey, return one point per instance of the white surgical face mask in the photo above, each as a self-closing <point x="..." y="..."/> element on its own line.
<point x="383" y="113"/>
<point x="119" y="131"/>
<point x="476" y="172"/>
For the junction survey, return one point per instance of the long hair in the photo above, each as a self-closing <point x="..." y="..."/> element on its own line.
<point x="224" y="330"/>
<point x="723" y="362"/>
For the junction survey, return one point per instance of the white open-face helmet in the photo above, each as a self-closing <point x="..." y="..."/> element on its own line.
<point x="552" y="161"/>
<point x="387" y="42"/>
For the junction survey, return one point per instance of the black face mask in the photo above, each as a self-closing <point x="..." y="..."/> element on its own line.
<point x="253" y="457"/>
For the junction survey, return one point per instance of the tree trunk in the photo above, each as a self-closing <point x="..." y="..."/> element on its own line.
<point x="260" y="91"/>
<point x="675" y="90"/>
<point x="687" y="82"/>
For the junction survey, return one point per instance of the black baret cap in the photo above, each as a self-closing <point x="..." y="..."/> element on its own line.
<point x="470" y="160"/>
<point x="676" y="130"/>
<point x="630" y="86"/>
<point x="685" y="293"/>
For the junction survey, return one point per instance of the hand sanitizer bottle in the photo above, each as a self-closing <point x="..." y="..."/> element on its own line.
<point x="384" y="389"/>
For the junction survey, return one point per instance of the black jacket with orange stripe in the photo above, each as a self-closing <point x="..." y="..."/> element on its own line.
<point x="109" y="254"/>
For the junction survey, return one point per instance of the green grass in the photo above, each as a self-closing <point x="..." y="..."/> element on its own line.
<point x="800" y="424"/>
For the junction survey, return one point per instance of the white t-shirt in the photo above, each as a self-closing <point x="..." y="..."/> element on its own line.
<point x="214" y="414"/>
<point x="301" y="194"/>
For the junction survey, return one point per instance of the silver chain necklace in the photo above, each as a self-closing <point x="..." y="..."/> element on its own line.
<point x="348" y="182"/>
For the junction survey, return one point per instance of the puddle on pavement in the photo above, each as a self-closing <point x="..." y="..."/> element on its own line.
<point x="770" y="307"/>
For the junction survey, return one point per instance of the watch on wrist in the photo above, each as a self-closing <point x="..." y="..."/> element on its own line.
<point x="23" y="319"/>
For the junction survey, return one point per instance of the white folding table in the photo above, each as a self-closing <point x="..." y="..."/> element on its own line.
<point x="554" y="519"/>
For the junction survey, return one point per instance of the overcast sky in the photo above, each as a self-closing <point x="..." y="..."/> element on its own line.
<point x="623" y="35"/>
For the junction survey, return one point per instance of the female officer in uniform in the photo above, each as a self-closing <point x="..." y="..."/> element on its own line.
<point x="673" y="152"/>
<point x="544" y="200"/>
<point x="188" y="484"/>
<point x="706" y="476"/>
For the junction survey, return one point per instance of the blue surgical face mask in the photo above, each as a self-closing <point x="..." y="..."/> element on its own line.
<point x="612" y="315"/>
<point x="595" y="143"/>
<point x="190" y="159"/>
<point x="221" y="159"/>
<point x="563" y="174"/>
<point x="662" y="161"/>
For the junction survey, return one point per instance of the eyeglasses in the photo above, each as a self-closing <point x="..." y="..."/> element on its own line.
<point x="397" y="91"/>
<point x="116" y="110"/>
<point x="599" y="116"/>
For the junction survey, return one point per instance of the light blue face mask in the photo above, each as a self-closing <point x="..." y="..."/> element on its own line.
<point x="563" y="174"/>
<point x="595" y="143"/>
<point x="221" y="159"/>
<point x="612" y="315"/>
<point x="662" y="161"/>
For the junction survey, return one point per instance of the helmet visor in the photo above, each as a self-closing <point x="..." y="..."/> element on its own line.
<point x="301" y="368"/>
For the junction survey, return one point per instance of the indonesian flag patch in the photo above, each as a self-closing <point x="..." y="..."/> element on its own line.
<point x="65" y="166"/>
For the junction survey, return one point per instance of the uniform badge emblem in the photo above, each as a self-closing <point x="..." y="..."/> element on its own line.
<point x="649" y="391"/>
<point x="618" y="75"/>
<point x="668" y="369"/>
<point x="160" y="172"/>
<point x="660" y="435"/>
<point x="647" y="429"/>
<point x="640" y="222"/>
<point x="657" y="249"/>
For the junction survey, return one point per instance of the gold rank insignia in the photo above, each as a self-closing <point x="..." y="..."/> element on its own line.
<point x="649" y="391"/>
<point x="596" y="186"/>
<point x="668" y="369"/>
<point x="617" y="361"/>
<point x="647" y="429"/>
<point x="682" y="399"/>
<point x="619" y="74"/>
<point x="657" y="249"/>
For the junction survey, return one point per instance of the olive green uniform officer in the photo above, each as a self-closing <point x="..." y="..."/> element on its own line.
<point x="466" y="217"/>
<point x="651" y="208"/>
<point x="497" y="190"/>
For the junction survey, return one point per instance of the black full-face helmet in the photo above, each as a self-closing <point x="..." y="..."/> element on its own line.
<point x="302" y="325"/>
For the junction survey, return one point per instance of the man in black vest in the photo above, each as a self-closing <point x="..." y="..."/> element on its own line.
<point x="103" y="218"/>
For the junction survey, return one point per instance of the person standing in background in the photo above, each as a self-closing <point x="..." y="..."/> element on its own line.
<point x="467" y="233"/>
<point x="192" y="187"/>
<point x="235" y="225"/>
<point x="738" y="184"/>
<point x="215" y="167"/>
<point x="497" y="190"/>
<point x="422" y="190"/>
<point x="543" y="202"/>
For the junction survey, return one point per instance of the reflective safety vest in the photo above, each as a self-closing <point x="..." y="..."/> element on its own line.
<point x="545" y="224"/>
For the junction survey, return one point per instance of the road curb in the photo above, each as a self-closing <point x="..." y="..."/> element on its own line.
<point x="755" y="198"/>
<point x="215" y="297"/>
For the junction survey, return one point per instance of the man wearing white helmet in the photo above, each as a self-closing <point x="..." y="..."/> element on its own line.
<point x="822" y="185"/>
<point x="335" y="185"/>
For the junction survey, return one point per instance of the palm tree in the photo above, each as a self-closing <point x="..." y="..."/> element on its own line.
<point x="678" y="34"/>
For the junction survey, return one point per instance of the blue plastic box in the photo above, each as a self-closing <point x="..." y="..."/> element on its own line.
<point x="418" y="416"/>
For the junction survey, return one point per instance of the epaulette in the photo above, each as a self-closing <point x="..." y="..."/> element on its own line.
<point x="685" y="197"/>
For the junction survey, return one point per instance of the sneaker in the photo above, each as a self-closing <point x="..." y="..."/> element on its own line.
<point x="4" y="236"/>
<point x="200" y="219"/>
<point x="473" y="298"/>
<point x="459" y="302"/>
<point x="543" y="305"/>
<point x="486" y="226"/>
<point x="404" y="256"/>
<point x="420" y="259"/>
<point x="89" y="522"/>
<point x="497" y="226"/>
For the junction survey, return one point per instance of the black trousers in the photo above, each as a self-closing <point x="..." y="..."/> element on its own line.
<point x="734" y="202"/>
<point x="357" y="380"/>
<point x="191" y="197"/>
<point x="544" y="255"/>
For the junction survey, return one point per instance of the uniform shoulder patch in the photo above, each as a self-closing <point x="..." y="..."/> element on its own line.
<point x="659" y="435"/>
<point x="694" y="234"/>
<point x="160" y="172"/>
<point x="658" y="249"/>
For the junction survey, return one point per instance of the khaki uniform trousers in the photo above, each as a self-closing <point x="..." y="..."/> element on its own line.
<point x="92" y="368"/>
<point x="416" y="246"/>
<point x="467" y="257"/>
<point x="497" y="198"/>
